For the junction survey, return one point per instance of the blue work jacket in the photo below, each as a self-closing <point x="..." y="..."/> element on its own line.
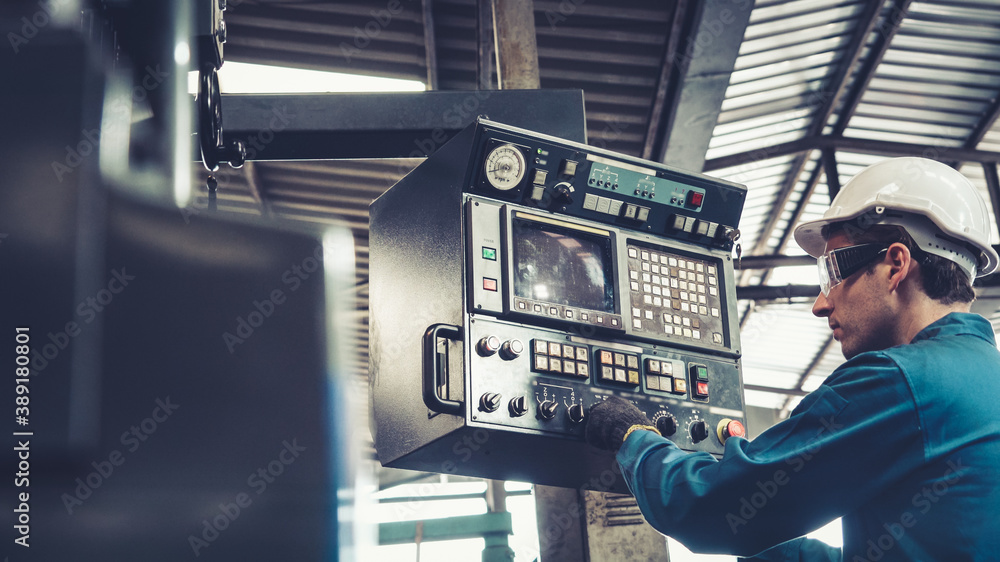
<point x="903" y="444"/>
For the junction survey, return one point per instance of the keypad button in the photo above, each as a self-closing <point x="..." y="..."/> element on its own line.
<point x="680" y="386"/>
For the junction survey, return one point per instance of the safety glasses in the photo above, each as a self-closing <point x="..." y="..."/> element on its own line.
<point x="837" y="265"/>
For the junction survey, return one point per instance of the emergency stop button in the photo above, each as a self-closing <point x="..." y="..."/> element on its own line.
<point x="730" y="428"/>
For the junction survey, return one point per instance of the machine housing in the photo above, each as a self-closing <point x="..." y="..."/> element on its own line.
<point x="518" y="279"/>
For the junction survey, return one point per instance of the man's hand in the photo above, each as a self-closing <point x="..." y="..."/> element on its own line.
<point x="609" y="420"/>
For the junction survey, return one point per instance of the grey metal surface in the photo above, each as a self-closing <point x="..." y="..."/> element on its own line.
<point x="389" y="125"/>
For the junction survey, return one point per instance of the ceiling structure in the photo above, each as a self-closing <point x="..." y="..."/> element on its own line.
<point x="790" y="98"/>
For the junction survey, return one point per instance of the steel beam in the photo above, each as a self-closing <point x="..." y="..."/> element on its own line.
<point x="767" y="262"/>
<point x="447" y="528"/>
<point x="700" y="69"/>
<point x="388" y="125"/>
<point x="775" y="390"/>
<point x="430" y="44"/>
<point x="776" y="292"/>
<point x="862" y="146"/>
<point x="517" y="47"/>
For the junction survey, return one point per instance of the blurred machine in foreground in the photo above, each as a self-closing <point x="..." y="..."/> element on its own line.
<point x="185" y="398"/>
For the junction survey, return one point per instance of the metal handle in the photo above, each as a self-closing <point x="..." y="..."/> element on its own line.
<point x="431" y="368"/>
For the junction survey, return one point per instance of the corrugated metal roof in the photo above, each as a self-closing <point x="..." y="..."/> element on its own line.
<point x="907" y="77"/>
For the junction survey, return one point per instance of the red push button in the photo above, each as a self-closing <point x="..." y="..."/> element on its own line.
<point x="489" y="284"/>
<point x="695" y="198"/>
<point x="701" y="389"/>
<point x="730" y="428"/>
<point x="736" y="429"/>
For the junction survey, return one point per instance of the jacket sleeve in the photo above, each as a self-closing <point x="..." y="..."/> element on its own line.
<point x="845" y="441"/>
<point x="799" y="550"/>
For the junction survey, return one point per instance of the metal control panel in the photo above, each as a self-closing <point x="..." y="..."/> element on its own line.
<point x="517" y="280"/>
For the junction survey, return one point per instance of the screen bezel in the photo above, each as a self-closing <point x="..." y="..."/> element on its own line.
<point x="605" y="237"/>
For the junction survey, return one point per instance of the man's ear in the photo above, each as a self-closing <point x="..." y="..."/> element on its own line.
<point x="900" y="262"/>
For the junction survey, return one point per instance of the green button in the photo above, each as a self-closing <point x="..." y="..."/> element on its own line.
<point x="489" y="253"/>
<point x="702" y="373"/>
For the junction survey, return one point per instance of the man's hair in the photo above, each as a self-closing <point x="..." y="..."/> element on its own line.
<point x="940" y="278"/>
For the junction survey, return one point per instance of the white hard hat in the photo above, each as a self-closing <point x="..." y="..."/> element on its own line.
<point x="939" y="208"/>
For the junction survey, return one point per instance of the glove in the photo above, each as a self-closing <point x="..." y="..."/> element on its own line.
<point x="609" y="420"/>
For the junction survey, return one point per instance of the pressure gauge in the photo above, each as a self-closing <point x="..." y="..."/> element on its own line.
<point x="505" y="167"/>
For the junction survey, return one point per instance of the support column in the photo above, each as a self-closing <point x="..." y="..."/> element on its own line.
<point x="516" y="44"/>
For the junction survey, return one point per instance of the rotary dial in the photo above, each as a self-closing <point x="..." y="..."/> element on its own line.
<point x="505" y="167"/>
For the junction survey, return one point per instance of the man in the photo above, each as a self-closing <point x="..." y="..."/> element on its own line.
<point x="902" y="441"/>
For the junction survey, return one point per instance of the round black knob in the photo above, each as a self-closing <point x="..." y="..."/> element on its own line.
<point x="576" y="413"/>
<point x="511" y="349"/>
<point x="563" y="192"/>
<point x="488" y="345"/>
<point x="666" y="425"/>
<point x="699" y="431"/>
<point x="489" y="402"/>
<point x="547" y="409"/>
<point x="518" y="406"/>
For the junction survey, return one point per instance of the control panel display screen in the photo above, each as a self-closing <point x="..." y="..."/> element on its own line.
<point x="563" y="266"/>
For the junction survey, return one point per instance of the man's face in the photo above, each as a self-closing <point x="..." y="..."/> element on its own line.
<point x="856" y="309"/>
